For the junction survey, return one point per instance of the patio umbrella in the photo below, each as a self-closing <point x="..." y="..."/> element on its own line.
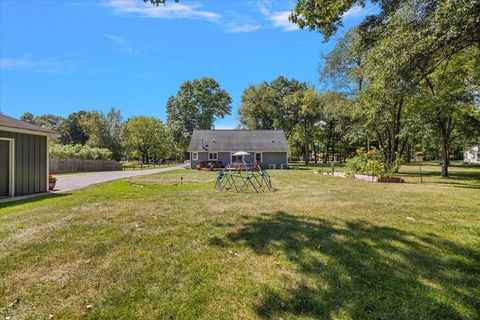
<point x="240" y="153"/>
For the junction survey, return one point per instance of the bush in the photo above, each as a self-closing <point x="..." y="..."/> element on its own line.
<point x="371" y="163"/>
<point x="79" y="152"/>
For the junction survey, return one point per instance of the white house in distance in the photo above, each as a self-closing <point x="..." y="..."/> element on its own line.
<point x="472" y="155"/>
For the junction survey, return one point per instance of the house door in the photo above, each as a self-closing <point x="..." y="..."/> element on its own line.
<point x="4" y="168"/>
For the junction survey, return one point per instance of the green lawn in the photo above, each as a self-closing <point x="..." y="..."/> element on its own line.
<point x="318" y="247"/>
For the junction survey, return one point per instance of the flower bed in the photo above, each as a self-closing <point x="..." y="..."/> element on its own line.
<point x="391" y="180"/>
<point x="370" y="166"/>
<point x="378" y="179"/>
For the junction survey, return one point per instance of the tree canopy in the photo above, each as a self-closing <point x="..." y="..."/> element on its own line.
<point x="392" y="58"/>
<point x="269" y="105"/>
<point x="196" y="106"/>
<point x="146" y="137"/>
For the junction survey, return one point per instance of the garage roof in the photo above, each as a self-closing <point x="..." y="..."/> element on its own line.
<point x="14" y="125"/>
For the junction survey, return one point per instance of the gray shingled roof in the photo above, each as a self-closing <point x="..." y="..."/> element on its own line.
<point x="238" y="140"/>
<point x="9" y="122"/>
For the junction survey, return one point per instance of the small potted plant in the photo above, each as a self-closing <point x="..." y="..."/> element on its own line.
<point x="51" y="181"/>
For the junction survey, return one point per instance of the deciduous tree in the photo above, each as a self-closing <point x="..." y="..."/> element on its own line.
<point x="144" y="137"/>
<point x="105" y="131"/>
<point x="271" y="105"/>
<point x="196" y="106"/>
<point x="448" y="100"/>
<point x="74" y="129"/>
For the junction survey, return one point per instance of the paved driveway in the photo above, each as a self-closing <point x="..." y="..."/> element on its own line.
<point x="82" y="180"/>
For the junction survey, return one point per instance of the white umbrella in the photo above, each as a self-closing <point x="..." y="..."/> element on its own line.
<point x="240" y="153"/>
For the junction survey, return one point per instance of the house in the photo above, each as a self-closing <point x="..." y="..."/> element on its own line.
<point x="23" y="157"/>
<point x="267" y="147"/>
<point x="472" y="155"/>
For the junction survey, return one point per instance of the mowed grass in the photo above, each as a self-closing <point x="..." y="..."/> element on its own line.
<point x="318" y="247"/>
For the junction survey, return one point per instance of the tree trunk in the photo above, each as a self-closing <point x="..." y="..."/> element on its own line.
<point x="307" y="142"/>
<point x="445" y="149"/>
<point x="329" y="141"/>
<point x="394" y="132"/>
<point x="408" y="153"/>
<point x="315" y="153"/>
<point x="444" y="162"/>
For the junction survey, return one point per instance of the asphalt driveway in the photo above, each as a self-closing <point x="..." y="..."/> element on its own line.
<point x="82" y="180"/>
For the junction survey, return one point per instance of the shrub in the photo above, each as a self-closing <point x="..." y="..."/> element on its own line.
<point x="79" y="152"/>
<point x="371" y="163"/>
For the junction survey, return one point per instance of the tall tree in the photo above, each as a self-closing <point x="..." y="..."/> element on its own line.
<point x="257" y="109"/>
<point x="271" y="106"/>
<point x="196" y="106"/>
<point x="310" y="111"/>
<point x="341" y="68"/>
<point x="105" y="131"/>
<point x="421" y="34"/>
<point x="335" y="122"/>
<point x="448" y="100"/>
<point x="74" y="129"/>
<point x="144" y="137"/>
<point x="27" y="117"/>
<point x="47" y="120"/>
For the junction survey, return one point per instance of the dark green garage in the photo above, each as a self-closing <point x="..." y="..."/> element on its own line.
<point x="23" y="157"/>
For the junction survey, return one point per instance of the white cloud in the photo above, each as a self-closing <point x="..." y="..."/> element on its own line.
<point x="238" y="28"/>
<point x="280" y="20"/>
<point x="273" y="14"/>
<point x="357" y="11"/>
<point x="122" y="44"/>
<point x="172" y="10"/>
<point x="47" y="65"/>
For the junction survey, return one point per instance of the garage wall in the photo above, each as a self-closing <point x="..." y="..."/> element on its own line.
<point x="276" y="158"/>
<point x="30" y="162"/>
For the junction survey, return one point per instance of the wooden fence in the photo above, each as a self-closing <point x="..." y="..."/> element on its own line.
<point x="81" y="165"/>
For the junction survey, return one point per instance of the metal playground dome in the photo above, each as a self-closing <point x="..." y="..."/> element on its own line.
<point x="241" y="177"/>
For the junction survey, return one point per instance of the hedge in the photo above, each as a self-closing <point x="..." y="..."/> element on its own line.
<point x="79" y="152"/>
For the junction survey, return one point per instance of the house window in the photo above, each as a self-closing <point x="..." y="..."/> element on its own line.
<point x="258" y="157"/>
<point x="213" y="156"/>
<point x="194" y="155"/>
<point x="237" y="159"/>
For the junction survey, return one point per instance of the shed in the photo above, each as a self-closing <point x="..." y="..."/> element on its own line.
<point x="267" y="147"/>
<point x="23" y="157"/>
<point x="472" y="155"/>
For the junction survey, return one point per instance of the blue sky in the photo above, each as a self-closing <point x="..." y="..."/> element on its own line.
<point x="63" y="56"/>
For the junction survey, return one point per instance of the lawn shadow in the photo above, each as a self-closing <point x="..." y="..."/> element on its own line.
<point x="461" y="179"/>
<point x="33" y="198"/>
<point x="459" y="184"/>
<point x="327" y="167"/>
<point x="362" y="270"/>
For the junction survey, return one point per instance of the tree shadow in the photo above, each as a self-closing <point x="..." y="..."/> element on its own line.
<point x="461" y="179"/>
<point x="361" y="270"/>
<point x="320" y="165"/>
<point x="459" y="184"/>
